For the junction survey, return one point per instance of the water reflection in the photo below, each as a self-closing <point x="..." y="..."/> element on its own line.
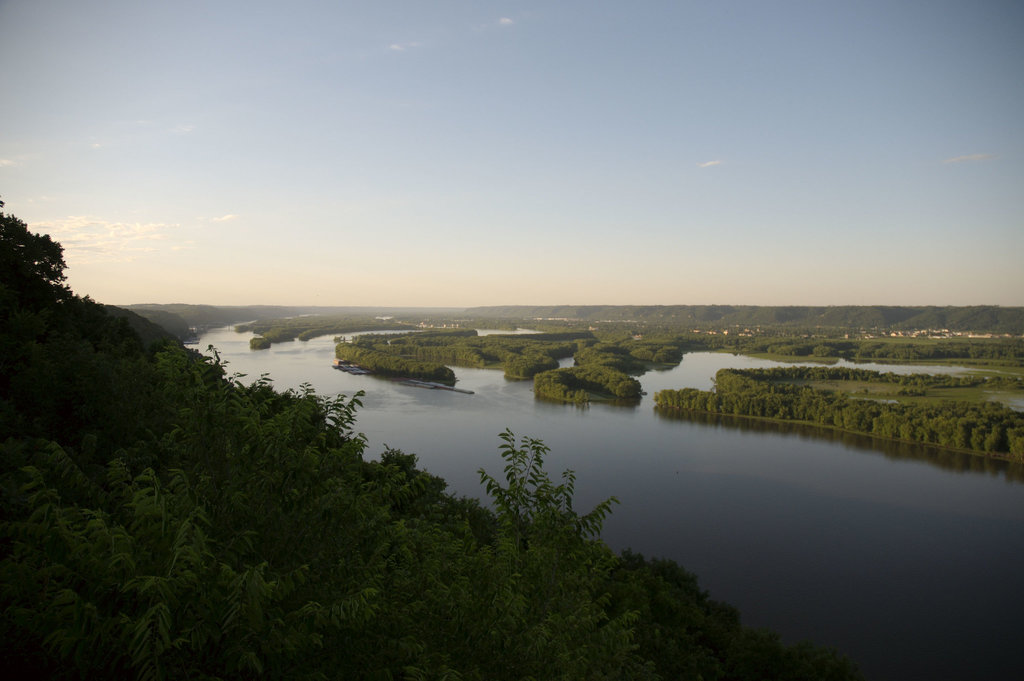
<point x="946" y="459"/>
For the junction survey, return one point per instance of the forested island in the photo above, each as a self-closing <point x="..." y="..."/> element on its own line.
<point x="602" y="370"/>
<point x="162" y="520"/>
<point x="910" y="408"/>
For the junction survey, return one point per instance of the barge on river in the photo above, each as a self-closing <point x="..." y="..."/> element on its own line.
<point x="431" y="385"/>
<point x="349" y="367"/>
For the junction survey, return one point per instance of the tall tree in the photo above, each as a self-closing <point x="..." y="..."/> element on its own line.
<point x="31" y="266"/>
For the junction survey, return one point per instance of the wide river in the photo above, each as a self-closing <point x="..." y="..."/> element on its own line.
<point x="909" y="560"/>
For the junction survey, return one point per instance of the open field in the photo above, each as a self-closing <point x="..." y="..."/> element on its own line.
<point x="978" y="367"/>
<point x="930" y="395"/>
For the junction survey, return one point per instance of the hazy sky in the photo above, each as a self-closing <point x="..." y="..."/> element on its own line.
<point x="472" y="153"/>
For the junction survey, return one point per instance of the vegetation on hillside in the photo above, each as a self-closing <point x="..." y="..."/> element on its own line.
<point x="160" y="520"/>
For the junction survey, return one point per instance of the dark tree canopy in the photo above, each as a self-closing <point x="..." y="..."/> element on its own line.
<point x="31" y="265"/>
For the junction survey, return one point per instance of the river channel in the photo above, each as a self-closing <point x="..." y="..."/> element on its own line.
<point x="908" y="559"/>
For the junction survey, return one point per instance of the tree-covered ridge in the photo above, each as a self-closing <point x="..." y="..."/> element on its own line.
<point x="210" y="316"/>
<point x="782" y="393"/>
<point x="981" y="318"/>
<point x="170" y="522"/>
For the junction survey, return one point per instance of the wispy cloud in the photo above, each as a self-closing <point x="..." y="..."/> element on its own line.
<point x="88" y="240"/>
<point x="183" y="129"/>
<point x="226" y="218"/>
<point x="499" y="23"/>
<point x="402" y="47"/>
<point x="970" y="157"/>
<point x="708" y="164"/>
<point x="7" y="163"/>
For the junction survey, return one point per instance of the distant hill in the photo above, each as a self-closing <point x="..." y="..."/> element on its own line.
<point x="980" y="318"/>
<point x="170" y="322"/>
<point x="977" y="318"/>
<point x="148" y="330"/>
<point x="209" y="316"/>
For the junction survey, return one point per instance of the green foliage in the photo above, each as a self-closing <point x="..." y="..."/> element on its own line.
<point x="687" y="635"/>
<point x="521" y="356"/>
<point x="31" y="267"/>
<point x="577" y="384"/>
<point x="528" y="364"/>
<point x="1001" y="351"/>
<point x="602" y="371"/>
<point x="550" y="569"/>
<point x="159" y="520"/>
<point x="387" y="364"/>
<point x="982" y="427"/>
<point x="609" y="355"/>
<point x="560" y="385"/>
<point x="307" y="327"/>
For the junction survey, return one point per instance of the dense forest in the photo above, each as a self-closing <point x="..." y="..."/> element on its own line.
<point x="388" y="364"/>
<point x="159" y="519"/>
<point x="603" y="370"/>
<point x="784" y="394"/>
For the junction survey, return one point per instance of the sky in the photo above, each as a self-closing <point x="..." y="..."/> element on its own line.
<point x="456" y="154"/>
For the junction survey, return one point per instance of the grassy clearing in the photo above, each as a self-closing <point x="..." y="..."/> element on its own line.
<point x="885" y="391"/>
<point x="791" y="359"/>
<point x="978" y="367"/>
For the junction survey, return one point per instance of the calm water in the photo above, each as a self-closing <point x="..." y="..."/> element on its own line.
<point x="907" y="559"/>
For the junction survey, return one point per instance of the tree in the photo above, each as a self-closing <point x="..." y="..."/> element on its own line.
<point x="31" y="266"/>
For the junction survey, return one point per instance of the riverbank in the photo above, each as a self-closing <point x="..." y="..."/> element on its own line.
<point x="825" y="397"/>
<point x="813" y="426"/>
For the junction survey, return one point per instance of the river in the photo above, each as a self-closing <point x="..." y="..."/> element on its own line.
<point x="908" y="559"/>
